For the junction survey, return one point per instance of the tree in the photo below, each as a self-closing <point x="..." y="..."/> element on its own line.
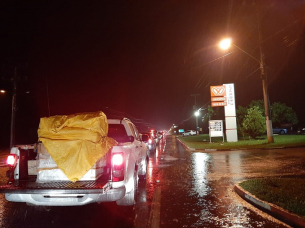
<point x="209" y="114"/>
<point x="254" y="123"/>
<point x="280" y="113"/>
<point x="283" y="114"/>
<point x="258" y="103"/>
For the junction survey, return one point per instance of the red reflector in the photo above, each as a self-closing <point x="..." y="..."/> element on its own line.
<point x="117" y="159"/>
<point x="11" y="160"/>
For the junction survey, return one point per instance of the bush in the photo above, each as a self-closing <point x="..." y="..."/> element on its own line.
<point x="254" y="123"/>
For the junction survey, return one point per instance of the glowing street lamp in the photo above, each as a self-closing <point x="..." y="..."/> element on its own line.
<point x="225" y="44"/>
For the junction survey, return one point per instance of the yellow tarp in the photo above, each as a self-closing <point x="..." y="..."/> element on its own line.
<point x="76" y="142"/>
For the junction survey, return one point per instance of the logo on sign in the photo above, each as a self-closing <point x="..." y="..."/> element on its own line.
<point x="218" y="91"/>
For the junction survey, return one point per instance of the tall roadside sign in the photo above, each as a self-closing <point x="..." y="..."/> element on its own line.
<point x="224" y="95"/>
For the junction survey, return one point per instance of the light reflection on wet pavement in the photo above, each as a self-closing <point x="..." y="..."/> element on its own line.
<point x="197" y="187"/>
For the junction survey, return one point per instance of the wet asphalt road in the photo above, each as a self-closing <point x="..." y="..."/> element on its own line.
<point x="195" y="190"/>
<point x="197" y="187"/>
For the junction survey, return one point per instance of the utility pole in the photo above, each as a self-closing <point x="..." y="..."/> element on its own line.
<point x="265" y="86"/>
<point x="12" y="140"/>
<point x="195" y="109"/>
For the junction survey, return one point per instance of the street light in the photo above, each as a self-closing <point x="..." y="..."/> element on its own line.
<point x="225" y="44"/>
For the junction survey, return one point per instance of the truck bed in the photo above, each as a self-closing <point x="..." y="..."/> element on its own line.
<point x="30" y="186"/>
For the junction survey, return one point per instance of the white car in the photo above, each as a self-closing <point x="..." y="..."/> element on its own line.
<point x="189" y="132"/>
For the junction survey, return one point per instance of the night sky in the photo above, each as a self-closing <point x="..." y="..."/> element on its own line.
<point x="144" y="59"/>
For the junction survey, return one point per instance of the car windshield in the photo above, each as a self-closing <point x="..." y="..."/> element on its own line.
<point x="150" y="135"/>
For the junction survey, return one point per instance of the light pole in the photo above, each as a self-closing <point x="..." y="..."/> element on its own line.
<point x="14" y="108"/>
<point x="13" y="114"/>
<point x="12" y="141"/>
<point x="225" y="44"/>
<point x="195" y="107"/>
<point x="197" y="114"/>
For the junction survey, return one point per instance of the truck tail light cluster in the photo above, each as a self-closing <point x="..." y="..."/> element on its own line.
<point x="11" y="160"/>
<point x="117" y="163"/>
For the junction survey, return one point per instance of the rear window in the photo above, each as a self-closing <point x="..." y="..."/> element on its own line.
<point x="116" y="131"/>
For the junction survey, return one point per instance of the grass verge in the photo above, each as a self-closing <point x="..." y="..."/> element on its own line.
<point x="287" y="193"/>
<point x="203" y="142"/>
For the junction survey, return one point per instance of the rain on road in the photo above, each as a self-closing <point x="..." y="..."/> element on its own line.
<point x="197" y="187"/>
<point x="182" y="189"/>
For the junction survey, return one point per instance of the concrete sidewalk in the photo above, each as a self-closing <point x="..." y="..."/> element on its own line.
<point x="271" y="209"/>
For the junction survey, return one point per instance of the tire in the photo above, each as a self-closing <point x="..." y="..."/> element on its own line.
<point x="282" y="132"/>
<point x="143" y="170"/>
<point x="129" y="198"/>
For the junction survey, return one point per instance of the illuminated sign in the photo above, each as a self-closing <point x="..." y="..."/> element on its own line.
<point x="218" y="104"/>
<point x="218" y="98"/>
<point x="218" y="91"/>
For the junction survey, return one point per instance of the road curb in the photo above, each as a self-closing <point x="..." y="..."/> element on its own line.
<point x="271" y="209"/>
<point x="202" y="149"/>
<point x="193" y="149"/>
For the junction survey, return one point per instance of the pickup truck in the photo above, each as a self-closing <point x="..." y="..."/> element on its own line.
<point x="118" y="172"/>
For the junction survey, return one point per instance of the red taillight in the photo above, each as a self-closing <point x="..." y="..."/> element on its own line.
<point x="117" y="159"/>
<point x="11" y="160"/>
<point x="117" y="167"/>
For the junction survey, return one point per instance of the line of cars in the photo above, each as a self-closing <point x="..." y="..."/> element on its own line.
<point x="154" y="139"/>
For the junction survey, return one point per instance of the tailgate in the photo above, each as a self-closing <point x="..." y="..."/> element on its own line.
<point x="30" y="186"/>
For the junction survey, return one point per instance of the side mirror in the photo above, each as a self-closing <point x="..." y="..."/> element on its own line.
<point x="145" y="138"/>
<point x="129" y="139"/>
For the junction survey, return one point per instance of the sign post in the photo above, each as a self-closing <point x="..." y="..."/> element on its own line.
<point x="224" y="95"/>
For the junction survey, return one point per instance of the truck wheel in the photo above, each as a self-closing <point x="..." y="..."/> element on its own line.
<point x="129" y="198"/>
<point x="282" y="132"/>
<point x="143" y="169"/>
